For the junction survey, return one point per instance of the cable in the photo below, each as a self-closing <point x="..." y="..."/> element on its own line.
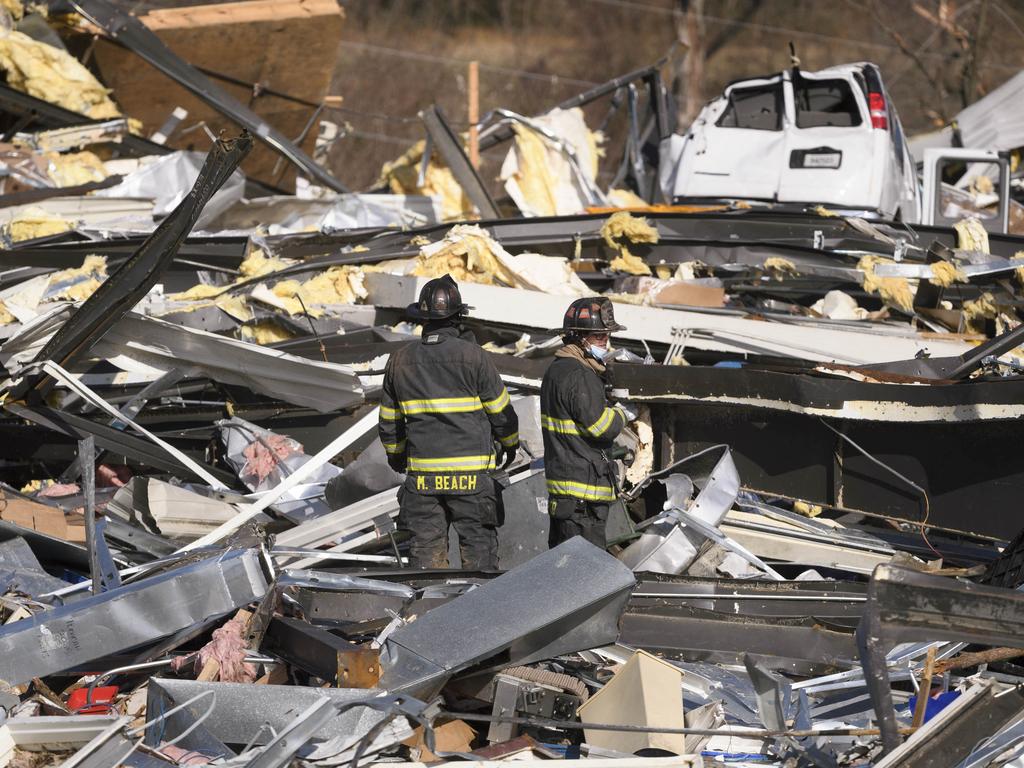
<point x="381" y="137"/>
<point x="907" y="480"/>
<point x="417" y="56"/>
<point x="663" y="11"/>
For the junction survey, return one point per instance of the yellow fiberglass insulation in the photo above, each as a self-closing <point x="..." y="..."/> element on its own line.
<point x="13" y="7"/>
<point x="82" y="281"/>
<point x="624" y="198"/>
<point x="6" y="318"/>
<point x="53" y="75"/>
<point x="197" y="292"/>
<point x="780" y="268"/>
<point x="621" y="227"/>
<point x="256" y="264"/>
<point x="74" y="168"/>
<point x="944" y="274"/>
<point x="1019" y="271"/>
<point x="893" y="290"/>
<point x="35" y="222"/>
<point x="337" y="285"/>
<point x="806" y="509"/>
<point x="265" y="332"/>
<point x="983" y="308"/>
<point x="534" y="176"/>
<point x="468" y="254"/>
<point x="971" y="235"/>
<point x="402" y="177"/>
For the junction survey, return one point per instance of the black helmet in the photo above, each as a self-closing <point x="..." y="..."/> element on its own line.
<point x="595" y="314"/>
<point x="439" y="300"/>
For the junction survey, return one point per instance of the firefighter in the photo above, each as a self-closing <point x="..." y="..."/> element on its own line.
<point x="579" y="425"/>
<point x="442" y="408"/>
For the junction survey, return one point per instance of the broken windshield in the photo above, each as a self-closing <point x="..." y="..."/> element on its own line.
<point x="759" y="108"/>
<point x="824" y="104"/>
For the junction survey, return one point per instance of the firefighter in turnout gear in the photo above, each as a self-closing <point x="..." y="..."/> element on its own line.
<point x="579" y="425"/>
<point x="442" y="408"/>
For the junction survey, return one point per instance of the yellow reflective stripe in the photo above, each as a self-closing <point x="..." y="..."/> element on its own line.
<point x="562" y="426"/>
<point x="497" y="404"/>
<point x="581" y="490"/>
<point x="509" y="441"/>
<point x="394" y="447"/>
<point x="452" y="463"/>
<point x="600" y="426"/>
<point x="388" y="414"/>
<point x="441" y="405"/>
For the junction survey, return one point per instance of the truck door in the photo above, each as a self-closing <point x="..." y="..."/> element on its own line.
<point x="741" y="153"/>
<point x="831" y="153"/>
<point x="960" y="183"/>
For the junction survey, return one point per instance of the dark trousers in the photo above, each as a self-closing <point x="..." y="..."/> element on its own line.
<point x="575" y="517"/>
<point x="427" y="518"/>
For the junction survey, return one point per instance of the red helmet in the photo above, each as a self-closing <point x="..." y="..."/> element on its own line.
<point x="590" y="315"/>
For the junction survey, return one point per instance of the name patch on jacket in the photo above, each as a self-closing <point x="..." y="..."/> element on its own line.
<point x="443" y="483"/>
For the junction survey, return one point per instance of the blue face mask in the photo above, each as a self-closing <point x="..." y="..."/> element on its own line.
<point x="598" y="352"/>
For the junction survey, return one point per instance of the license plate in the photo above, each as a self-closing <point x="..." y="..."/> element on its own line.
<point x="824" y="160"/>
<point x="816" y="157"/>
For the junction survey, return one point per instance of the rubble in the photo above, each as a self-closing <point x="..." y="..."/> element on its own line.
<point x="815" y="562"/>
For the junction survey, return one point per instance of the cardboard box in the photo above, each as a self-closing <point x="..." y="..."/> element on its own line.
<point x="646" y="691"/>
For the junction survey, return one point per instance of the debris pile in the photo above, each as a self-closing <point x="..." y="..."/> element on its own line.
<point x="813" y="558"/>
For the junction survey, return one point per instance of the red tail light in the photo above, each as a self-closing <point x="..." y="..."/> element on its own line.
<point x="879" y="113"/>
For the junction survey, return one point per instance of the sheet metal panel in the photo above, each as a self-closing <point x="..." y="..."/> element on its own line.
<point x="129" y="616"/>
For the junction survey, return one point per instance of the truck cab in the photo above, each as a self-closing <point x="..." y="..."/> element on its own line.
<point x="961" y="183"/>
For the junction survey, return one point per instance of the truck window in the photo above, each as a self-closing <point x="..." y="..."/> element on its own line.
<point x="825" y="103"/>
<point x="759" y="108"/>
<point x="968" y="188"/>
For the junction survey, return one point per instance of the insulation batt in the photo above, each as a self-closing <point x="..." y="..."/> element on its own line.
<point x="33" y="223"/>
<point x="53" y="75"/>
<point x="895" y="291"/>
<point x="401" y="176"/>
<point x="74" y="168"/>
<point x="944" y="274"/>
<point x="623" y="226"/>
<point x="780" y="268"/>
<point x="971" y="235"/>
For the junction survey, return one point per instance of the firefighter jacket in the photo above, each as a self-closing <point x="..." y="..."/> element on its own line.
<point x="443" y="405"/>
<point x="578" y="426"/>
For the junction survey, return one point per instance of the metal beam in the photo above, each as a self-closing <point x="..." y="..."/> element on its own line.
<point x="584" y="589"/>
<point x="129" y="616"/>
<point x="905" y="605"/>
<point x="450" y="147"/>
<point x="318" y="652"/>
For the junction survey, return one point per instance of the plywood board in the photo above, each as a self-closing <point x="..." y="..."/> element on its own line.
<point x="289" y="46"/>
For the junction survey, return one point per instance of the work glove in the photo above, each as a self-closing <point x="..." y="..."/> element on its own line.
<point x="508" y="455"/>
<point x="397" y="462"/>
<point x="628" y="412"/>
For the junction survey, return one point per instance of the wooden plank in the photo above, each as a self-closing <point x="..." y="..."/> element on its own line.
<point x="239" y="13"/>
<point x="293" y="52"/>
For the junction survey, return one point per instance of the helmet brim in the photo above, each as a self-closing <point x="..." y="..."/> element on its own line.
<point x="414" y="312"/>
<point x="615" y="328"/>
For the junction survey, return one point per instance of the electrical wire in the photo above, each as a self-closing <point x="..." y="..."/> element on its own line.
<point x="723" y="21"/>
<point x="907" y="480"/>
<point x="554" y="79"/>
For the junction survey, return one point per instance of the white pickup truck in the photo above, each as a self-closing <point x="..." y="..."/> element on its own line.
<point x="833" y="138"/>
